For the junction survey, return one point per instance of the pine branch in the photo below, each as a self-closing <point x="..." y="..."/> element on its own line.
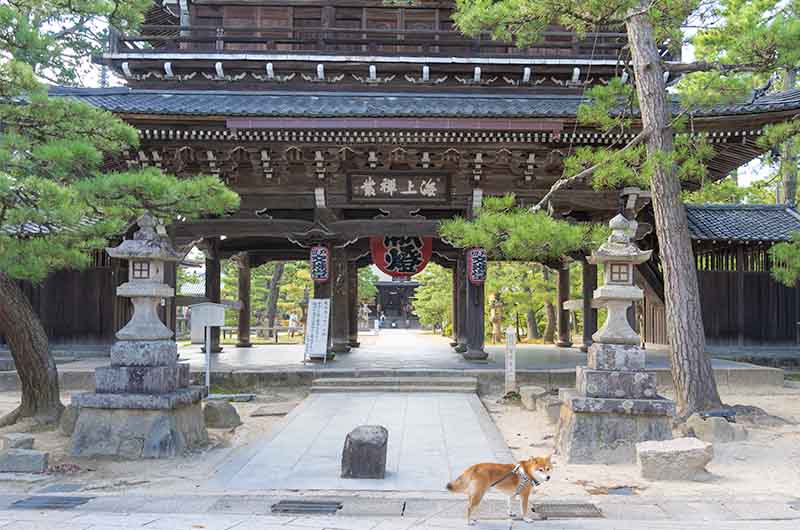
<point x="562" y="182"/>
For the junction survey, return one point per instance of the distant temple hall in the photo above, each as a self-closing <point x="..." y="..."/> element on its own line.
<point x="350" y="130"/>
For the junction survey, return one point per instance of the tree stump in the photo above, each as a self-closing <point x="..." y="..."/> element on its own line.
<point x="364" y="453"/>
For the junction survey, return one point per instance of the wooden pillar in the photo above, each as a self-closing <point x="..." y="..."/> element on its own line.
<point x="589" y="271"/>
<point x="340" y="314"/>
<point x="740" y="294"/>
<point x="454" y="309"/>
<point x="460" y="274"/>
<point x="475" y="331"/>
<point x="244" y="299"/>
<point x="352" y="280"/>
<point x="213" y="285"/>
<point x="562" y="315"/>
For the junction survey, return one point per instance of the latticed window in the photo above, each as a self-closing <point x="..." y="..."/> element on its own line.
<point x="620" y="273"/>
<point x="141" y="270"/>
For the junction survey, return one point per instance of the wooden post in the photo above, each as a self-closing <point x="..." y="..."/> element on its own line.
<point x="244" y="299"/>
<point x="352" y="280"/>
<point x="740" y="294"/>
<point x="454" y="309"/>
<point x="562" y="315"/>
<point x="474" y="320"/>
<point x="213" y="285"/>
<point x="460" y="273"/>
<point x="589" y="271"/>
<point x="340" y="326"/>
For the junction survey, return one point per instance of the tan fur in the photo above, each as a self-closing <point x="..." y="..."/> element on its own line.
<point x="478" y="479"/>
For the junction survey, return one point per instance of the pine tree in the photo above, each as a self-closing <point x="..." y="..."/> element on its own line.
<point x="57" y="203"/>
<point x="738" y="41"/>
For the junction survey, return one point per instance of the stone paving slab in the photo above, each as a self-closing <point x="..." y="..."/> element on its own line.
<point x="433" y="437"/>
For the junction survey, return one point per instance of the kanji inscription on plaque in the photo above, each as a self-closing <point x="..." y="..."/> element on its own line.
<point x="393" y="187"/>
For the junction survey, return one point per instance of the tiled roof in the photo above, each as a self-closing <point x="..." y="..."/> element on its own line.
<point x="364" y="105"/>
<point x="742" y="222"/>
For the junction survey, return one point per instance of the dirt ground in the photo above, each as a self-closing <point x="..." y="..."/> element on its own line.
<point x="106" y="475"/>
<point x="766" y="464"/>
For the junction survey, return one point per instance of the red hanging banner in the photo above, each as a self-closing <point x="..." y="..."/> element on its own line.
<point x="402" y="256"/>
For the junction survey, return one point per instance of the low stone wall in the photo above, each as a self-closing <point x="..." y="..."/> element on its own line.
<point x="489" y="381"/>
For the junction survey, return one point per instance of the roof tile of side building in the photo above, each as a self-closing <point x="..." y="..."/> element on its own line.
<point x="742" y="222"/>
<point x="359" y="104"/>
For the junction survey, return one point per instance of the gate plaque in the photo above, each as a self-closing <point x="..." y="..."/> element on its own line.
<point x="398" y="186"/>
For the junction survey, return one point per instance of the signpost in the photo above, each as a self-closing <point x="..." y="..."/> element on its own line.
<point x="511" y="359"/>
<point x="316" y="337"/>
<point x="207" y="315"/>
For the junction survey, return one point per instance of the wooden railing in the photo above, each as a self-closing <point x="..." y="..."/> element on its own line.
<point x="554" y="44"/>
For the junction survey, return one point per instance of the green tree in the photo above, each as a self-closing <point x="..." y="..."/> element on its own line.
<point x="433" y="299"/>
<point x="366" y="285"/>
<point x="738" y="42"/>
<point x="57" y="204"/>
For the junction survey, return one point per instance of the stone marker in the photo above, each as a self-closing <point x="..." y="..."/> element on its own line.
<point x="282" y="408"/>
<point x="221" y="415"/>
<point x="551" y="406"/>
<point x="529" y="394"/>
<point x="17" y="440"/>
<point x="23" y="461"/>
<point x="678" y="459"/>
<point x="364" y="453"/>
<point x="715" y="429"/>
<point x="68" y="418"/>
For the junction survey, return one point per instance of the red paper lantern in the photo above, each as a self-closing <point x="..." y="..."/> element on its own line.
<point x="401" y="256"/>
<point x="477" y="261"/>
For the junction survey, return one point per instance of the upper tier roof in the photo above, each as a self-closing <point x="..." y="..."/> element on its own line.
<point x="360" y="104"/>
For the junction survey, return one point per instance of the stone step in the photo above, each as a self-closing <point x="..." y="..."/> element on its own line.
<point x="395" y="384"/>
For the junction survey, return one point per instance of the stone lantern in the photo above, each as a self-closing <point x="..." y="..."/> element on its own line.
<point x="143" y="406"/>
<point x="618" y="256"/>
<point x="614" y="404"/>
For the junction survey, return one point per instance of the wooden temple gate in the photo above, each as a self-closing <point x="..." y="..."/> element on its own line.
<point x="341" y="120"/>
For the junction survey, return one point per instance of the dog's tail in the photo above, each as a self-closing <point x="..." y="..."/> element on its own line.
<point x="458" y="484"/>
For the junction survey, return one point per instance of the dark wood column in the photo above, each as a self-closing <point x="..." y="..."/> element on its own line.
<point x="454" y="309"/>
<point x="213" y="284"/>
<point x="244" y="299"/>
<point x="474" y="321"/>
<point x="460" y="309"/>
<point x="340" y="314"/>
<point x="562" y="315"/>
<point x="352" y="280"/>
<point x="740" y="295"/>
<point x="589" y="313"/>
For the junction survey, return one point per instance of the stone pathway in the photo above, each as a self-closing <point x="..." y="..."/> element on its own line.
<point x="433" y="437"/>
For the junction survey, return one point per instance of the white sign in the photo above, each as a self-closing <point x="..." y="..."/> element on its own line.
<point x="207" y="315"/>
<point x="511" y="360"/>
<point x="316" y="337"/>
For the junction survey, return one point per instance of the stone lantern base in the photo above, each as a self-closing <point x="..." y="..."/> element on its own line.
<point x="142" y="407"/>
<point x="613" y="406"/>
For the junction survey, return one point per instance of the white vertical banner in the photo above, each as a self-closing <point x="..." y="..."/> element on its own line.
<point x="316" y="336"/>
<point x="511" y="360"/>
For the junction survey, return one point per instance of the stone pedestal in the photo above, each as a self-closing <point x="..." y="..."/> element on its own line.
<point x="614" y="404"/>
<point x="143" y="406"/>
<point x="364" y="452"/>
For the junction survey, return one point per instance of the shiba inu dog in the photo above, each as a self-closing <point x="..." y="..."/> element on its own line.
<point x="509" y="478"/>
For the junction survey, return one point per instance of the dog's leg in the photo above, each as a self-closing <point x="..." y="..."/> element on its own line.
<point x="474" y="501"/>
<point x="510" y="511"/>
<point x="523" y="504"/>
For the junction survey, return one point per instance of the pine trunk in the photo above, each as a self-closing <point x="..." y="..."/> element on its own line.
<point x="272" y="297"/>
<point x="533" y="324"/>
<point x="692" y="375"/>
<point x="550" y="327"/>
<point x="29" y="347"/>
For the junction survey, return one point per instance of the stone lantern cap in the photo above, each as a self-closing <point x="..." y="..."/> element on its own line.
<point x="148" y="243"/>
<point x="619" y="248"/>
